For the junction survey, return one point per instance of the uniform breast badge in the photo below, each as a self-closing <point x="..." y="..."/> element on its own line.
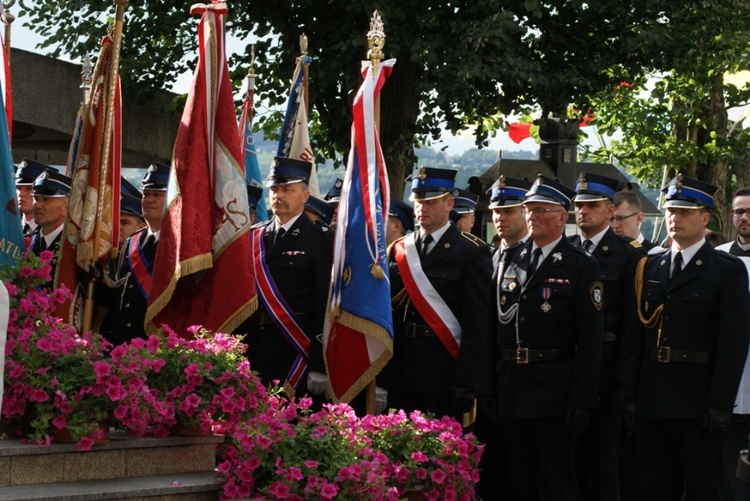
<point x="546" y="292"/>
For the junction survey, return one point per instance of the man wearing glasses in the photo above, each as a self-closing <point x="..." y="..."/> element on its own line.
<point x="628" y="216"/>
<point x="549" y="340"/>
<point x="738" y="431"/>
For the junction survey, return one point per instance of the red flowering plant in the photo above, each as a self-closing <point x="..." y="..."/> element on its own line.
<point x="426" y="454"/>
<point x="52" y="374"/>
<point x="288" y="452"/>
<point x="202" y="382"/>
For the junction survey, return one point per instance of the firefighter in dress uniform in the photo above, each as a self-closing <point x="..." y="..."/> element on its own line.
<point x="440" y="288"/>
<point x="686" y="352"/>
<point x="549" y="337"/>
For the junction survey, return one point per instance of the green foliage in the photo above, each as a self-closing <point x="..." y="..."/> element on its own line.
<point x="464" y="63"/>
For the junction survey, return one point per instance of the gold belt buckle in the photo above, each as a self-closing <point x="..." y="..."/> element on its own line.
<point x="663" y="354"/>
<point x="522" y="355"/>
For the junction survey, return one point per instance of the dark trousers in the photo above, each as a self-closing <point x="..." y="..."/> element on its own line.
<point x="627" y="462"/>
<point x="596" y="455"/>
<point x="539" y="459"/>
<point x="492" y="467"/>
<point x="675" y="458"/>
<point x="735" y="439"/>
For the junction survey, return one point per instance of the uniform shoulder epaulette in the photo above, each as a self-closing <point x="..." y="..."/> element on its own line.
<point x="261" y="224"/>
<point x="726" y="255"/>
<point x="657" y="251"/>
<point x="472" y="238"/>
<point x="320" y="226"/>
<point x="635" y="243"/>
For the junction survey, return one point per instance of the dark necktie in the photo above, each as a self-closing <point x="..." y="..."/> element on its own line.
<point x="42" y="242"/>
<point x="148" y="243"/>
<point x="279" y="235"/>
<point x="676" y="266"/>
<point x="426" y="244"/>
<point x="535" y="257"/>
<point x="588" y="245"/>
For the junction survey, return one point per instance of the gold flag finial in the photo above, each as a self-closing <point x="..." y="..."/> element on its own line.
<point x="375" y="40"/>
<point x="303" y="44"/>
<point x="86" y="77"/>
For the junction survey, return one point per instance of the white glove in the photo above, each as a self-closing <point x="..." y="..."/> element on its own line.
<point x="317" y="382"/>
<point x="381" y="399"/>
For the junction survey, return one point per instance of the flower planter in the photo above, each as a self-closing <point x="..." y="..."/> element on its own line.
<point x="189" y="430"/>
<point x="98" y="436"/>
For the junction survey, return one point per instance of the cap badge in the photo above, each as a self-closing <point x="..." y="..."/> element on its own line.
<point x="678" y="181"/>
<point x="456" y="193"/>
<point x="44" y="175"/>
<point x="152" y="168"/>
<point x="422" y="173"/>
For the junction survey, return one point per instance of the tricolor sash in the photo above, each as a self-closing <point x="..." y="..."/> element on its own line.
<point x="425" y="298"/>
<point x="139" y="265"/>
<point x="279" y="310"/>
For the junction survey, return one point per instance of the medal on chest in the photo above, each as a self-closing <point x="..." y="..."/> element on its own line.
<point x="546" y="307"/>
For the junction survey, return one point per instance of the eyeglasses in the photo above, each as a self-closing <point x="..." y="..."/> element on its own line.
<point x="620" y="219"/>
<point x="538" y="211"/>
<point x="738" y="213"/>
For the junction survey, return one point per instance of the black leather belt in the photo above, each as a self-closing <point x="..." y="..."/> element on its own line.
<point x="263" y="318"/>
<point x="412" y="330"/>
<point x="525" y="355"/>
<point x="665" y="355"/>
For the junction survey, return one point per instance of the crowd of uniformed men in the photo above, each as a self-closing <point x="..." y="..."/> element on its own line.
<point x="599" y="366"/>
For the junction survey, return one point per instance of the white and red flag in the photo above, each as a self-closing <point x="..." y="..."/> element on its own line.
<point x="203" y="270"/>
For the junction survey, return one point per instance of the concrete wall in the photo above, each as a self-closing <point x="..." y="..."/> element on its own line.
<point x="46" y="98"/>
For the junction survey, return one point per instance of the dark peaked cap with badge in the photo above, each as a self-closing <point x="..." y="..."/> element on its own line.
<point x="28" y="171"/>
<point x="403" y="212"/>
<point x="156" y="178"/>
<point x="51" y="183"/>
<point x="430" y="182"/>
<point x="334" y="194"/>
<point x="464" y="201"/>
<point x="254" y="194"/>
<point x="508" y="192"/>
<point x="288" y="170"/>
<point x="321" y="208"/>
<point x="549" y="191"/>
<point x="594" y="188"/>
<point x="689" y="193"/>
<point x="130" y="199"/>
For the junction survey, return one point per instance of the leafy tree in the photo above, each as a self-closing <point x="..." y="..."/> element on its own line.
<point x="459" y="62"/>
<point x="675" y="115"/>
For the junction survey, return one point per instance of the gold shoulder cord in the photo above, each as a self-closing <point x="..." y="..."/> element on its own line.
<point x="650" y="322"/>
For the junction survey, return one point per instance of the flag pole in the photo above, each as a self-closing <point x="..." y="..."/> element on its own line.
<point x="375" y="43"/>
<point x="9" y="18"/>
<point x="305" y="69"/>
<point x="88" y="310"/>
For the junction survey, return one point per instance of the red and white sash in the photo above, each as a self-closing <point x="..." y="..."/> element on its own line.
<point x="278" y="309"/>
<point x="425" y="298"/>
<point x="139" y="265"/>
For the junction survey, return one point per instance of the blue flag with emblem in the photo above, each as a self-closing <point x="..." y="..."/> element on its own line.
<point x="358" y="333"/>
<point x="250" y="156"/>
<point x="11" y="234"/>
